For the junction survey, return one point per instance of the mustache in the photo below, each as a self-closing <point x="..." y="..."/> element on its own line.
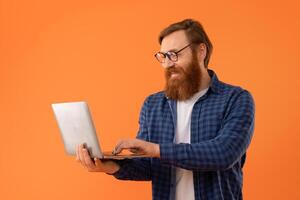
<point x="171" y="70"/>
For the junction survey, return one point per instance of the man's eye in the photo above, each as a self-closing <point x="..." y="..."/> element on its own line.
<point x="170" y="53"/>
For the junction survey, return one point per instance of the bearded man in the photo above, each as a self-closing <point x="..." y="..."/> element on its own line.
<point x="195" y="132"/>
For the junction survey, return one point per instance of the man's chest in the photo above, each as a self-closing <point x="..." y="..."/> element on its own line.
<point x="206" y="119"/>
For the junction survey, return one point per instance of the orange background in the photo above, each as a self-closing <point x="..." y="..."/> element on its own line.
<point x="102" y="52"/>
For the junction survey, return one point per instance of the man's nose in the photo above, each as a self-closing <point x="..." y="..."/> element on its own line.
<point x="168" y="63"/>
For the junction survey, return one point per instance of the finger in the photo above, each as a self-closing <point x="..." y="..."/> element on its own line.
<point x="118" y="149"/>
<point x="117" y="146"/>
<point x="81" y="157"/>
<point x="135" y="150"/>
<point x="87" y="159"/>
<point x="125" y="144"/>
<point x="77" y="152"/>
<point x="97" y="162"/>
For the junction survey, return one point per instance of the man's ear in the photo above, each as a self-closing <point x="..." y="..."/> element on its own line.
<point x="201" y="51"/>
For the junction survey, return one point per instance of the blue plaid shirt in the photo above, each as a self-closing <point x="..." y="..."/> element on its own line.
<point x="222" y="125"/>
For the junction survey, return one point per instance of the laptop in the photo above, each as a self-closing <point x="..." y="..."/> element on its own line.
<point x="76" y="127"/>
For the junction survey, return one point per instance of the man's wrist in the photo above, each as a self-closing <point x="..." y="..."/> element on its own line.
<point x="157" y="151"/>
<point x="113" y="169"/>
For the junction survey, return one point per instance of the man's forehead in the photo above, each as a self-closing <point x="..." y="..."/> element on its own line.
<point x="174" y="41"/>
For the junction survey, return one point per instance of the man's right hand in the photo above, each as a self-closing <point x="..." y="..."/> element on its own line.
<point x="106" y="166"/>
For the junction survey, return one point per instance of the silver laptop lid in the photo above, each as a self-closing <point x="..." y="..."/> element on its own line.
<point x="76" y="127"/>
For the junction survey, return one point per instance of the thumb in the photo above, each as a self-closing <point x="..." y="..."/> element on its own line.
<point x="134" y="150"/>
<point x="97" y="161"/>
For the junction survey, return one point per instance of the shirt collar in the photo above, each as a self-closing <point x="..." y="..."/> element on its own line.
<point x="215" y="84"/>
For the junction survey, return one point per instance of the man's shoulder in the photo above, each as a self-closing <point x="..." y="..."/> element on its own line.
<point x="224" y="88"/>
<point x="234" y="93"/>
<point x="156" y="97"/>
<point x="154" y="100"/>
<point x="229" y="88"/>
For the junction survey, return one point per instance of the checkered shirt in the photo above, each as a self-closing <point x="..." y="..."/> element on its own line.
<point x="222" y="125"/>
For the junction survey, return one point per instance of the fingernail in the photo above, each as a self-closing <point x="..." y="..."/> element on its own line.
<point x="116" y="151"/>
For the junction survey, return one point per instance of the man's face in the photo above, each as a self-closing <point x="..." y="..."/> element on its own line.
<point x="183" y="77"/>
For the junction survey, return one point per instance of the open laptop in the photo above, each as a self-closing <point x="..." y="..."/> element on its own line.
<point x="76" y="127"/>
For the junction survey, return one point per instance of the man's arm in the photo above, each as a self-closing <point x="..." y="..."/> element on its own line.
<point x="127" y="169"/>
<point x="139" y="168"/>
<point x="219" y="153"/>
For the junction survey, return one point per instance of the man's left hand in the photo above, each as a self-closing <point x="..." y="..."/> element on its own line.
<point x="139" y="147"/>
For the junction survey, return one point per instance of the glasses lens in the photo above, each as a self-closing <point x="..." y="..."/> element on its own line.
<point x="172" y="56"/>
<point x="160" y="57"/>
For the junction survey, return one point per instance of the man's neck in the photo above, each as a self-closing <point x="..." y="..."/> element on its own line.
<point x="205" y="79"/>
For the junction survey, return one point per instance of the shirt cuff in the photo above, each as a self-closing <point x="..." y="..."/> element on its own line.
<point x="119" y="172"/>
<point x="167" y="153"/>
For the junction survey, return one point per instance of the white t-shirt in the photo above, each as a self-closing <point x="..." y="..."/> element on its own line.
<point x="184" y="178"/>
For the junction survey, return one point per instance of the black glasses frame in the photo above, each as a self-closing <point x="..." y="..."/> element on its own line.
<point x="172" y="55"/>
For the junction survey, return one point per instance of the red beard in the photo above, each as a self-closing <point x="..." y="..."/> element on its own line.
<point x="185" y="83"/>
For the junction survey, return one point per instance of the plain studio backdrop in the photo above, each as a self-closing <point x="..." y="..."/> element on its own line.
<point x="102" y="52"/>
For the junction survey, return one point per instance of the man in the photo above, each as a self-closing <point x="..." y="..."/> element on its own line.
<point x="195" y="132"/>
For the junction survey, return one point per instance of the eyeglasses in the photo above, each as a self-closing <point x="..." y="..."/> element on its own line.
<point x="172" y="55"/>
